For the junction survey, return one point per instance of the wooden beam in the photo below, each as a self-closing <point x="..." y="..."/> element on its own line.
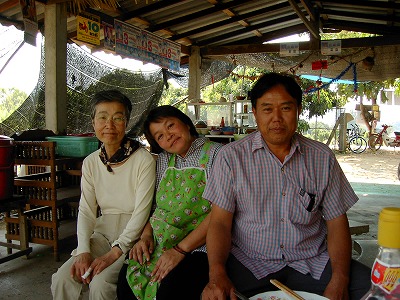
<point x="306" y="6"/>
<point x="221" y="37"/>
<point x="8" y="5"/>
<point x="306" y="22"/>
<point x="232" y="20"/>
<point x="7" y="22"/>
<point x="303" y="46"/>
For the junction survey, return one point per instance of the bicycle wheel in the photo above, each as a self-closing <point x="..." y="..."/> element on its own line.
<point x="357" y="144"/>
<point x="375" y="142"/>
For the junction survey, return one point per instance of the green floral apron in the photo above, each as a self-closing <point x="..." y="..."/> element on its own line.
<point x="180" y="209"/>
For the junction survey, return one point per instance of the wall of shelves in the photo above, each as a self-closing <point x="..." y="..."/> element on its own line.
<point x="237" y="112"/>
<point x="211" y="112"/>
<point x="243" y="115"/>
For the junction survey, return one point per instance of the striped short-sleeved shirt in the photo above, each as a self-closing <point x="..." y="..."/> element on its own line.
<point x="279" y="208"/>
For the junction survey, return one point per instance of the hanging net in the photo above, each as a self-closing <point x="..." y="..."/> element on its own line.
<point x="87" y="75"/>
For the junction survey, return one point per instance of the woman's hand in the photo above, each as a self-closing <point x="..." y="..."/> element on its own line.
<point x="167" y="261"/>
<point x="80" y="266"/>
<point x="144" y="247"/>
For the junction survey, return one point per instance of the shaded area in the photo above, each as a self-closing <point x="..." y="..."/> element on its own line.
<point x="376" y="189"/>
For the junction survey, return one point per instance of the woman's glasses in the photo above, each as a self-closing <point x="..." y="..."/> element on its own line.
<point x="103" y="119"/>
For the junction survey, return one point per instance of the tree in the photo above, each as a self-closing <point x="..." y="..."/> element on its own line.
<point x="366" y="90"/>
<point x="174" y="96"/>
<point x="10" y="100"/>
<point x="369" y="90"/>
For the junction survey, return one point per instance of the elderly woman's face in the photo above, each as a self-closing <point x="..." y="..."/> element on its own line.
<point x="110" y="123"/>
<point x="172" y="135"/>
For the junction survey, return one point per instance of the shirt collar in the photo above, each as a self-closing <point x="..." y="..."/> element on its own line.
<point x="259" y="143"/>
<point x="199" y="142"/>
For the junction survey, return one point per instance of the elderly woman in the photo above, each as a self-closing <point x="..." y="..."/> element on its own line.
<point x="119" y="180"/>
<point x="169" y="260"/>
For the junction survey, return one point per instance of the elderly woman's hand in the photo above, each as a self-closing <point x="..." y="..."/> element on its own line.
<point x="80" y="266"/>
<point x="102" y="262"/>
<point x="143" y="248"/>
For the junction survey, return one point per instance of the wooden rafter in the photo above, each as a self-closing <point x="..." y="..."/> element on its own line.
<point x="310" y="26"/>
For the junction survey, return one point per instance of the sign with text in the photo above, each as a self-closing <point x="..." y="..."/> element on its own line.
<point x="146" y="46"/>
<point x="109" y="36"/>
<point x="88" y="28"/>
<point x="289" y="49"/>
<point x="332" y="47"/>
<point x="28" y="9"/>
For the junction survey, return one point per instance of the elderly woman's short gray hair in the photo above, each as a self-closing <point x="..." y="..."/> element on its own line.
<point x="111" y="96"/>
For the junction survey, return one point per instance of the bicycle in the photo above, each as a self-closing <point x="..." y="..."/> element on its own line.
<point x="375" y="141"/>
<point x="355" y="142"/>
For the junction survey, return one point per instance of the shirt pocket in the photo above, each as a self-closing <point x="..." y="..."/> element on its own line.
<point x="307" y="205"/>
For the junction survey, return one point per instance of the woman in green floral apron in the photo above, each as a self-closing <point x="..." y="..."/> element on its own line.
<point x="163" y="262"/>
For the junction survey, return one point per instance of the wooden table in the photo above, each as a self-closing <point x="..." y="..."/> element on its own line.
<point x="16" y="203"/>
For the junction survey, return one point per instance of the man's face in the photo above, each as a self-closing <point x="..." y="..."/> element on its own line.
<point x="277" y="114"/>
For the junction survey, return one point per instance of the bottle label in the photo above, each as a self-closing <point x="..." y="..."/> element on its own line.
<point x="385" y="276"/>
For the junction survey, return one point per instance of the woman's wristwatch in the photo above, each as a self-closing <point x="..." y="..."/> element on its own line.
<point x="116" y="244"/>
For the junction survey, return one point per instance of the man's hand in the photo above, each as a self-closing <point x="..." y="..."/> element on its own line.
<point x="220" y="289"/>
<point x="143" y="248"/>
<point x="336" y="290"/>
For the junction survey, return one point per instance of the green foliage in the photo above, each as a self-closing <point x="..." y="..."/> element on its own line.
<point x="396" y="85"/>
<point x="370" y="90"/>
<point x="237" y="86"/>
<point x="319" y="103"/>
<point x="174" y="96"/>
<point x="10" y="100"/>
<point x="319" y="132"/>
<point x="343" y="34"/>
<point x="302" y="126"/>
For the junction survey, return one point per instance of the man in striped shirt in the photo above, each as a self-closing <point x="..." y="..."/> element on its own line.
<point x="279" y="208"/>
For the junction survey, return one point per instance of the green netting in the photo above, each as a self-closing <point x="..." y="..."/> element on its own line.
<point x="87" y="75"/>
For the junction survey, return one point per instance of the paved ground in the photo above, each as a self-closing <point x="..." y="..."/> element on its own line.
<point x="30" y="278"/>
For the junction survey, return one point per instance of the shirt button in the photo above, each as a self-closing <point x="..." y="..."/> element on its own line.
<point x="282" y="219"/>
<point x="283" y="194"/>
<point x="282" y="246"/>
<point x="283" y="169"/>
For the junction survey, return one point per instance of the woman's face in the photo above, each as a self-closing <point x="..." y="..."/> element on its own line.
<point x="172" y="135"/>
<point x="110" y="123"/>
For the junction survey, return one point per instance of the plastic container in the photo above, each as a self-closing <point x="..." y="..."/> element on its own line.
<point x="6" y="167"/>
<point x="385" y="275"/>
<point x="74" y="146"/>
